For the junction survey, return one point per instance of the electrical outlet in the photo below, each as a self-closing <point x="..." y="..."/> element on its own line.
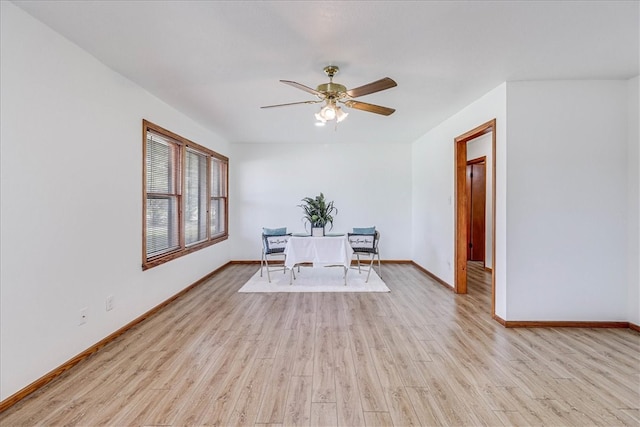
<point x="109" y="303"/>
<point x="83" y="316"/>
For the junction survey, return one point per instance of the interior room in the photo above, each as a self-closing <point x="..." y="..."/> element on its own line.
<point x="555" y="85"/>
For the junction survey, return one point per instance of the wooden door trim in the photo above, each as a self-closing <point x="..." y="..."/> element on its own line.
<point x="482" y="159"/>
<point x="461" y="220"/>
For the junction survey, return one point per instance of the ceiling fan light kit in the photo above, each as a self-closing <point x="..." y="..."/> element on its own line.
<point x="333" y="93"/>
<point x="331" y="111"/>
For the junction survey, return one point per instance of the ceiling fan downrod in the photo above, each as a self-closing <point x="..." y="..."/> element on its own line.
<point x="332" y="90"/>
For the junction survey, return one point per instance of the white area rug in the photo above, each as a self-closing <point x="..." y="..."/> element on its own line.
<point x="324" y="279"/>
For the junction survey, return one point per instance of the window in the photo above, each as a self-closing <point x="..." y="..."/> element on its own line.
<point x="218" y="197"/>
<point x="185" y="196"/>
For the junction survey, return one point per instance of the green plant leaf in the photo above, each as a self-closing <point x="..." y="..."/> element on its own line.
<point x="317" y="212"/>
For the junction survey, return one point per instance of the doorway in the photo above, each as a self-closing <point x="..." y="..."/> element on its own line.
<point x="463" y="231"/>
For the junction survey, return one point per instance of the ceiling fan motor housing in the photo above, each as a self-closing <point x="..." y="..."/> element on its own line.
<point x="332" y="90"/>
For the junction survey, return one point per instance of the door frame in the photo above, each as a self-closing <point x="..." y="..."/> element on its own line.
<point x="461" y="214"/>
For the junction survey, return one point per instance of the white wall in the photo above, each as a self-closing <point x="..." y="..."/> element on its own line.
<point x="634" y="200"/>
<point x="370" y="185"/>
<point x="433" y="220"/>
<point x="476" y="148"/>
<point x="71" y="147"/>
<point x="567" y="200"/>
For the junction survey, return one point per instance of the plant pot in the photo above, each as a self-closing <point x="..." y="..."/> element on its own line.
<point x="317" y="231"/>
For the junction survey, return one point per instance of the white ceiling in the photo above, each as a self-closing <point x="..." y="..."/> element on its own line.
<point x="219" y="61"/>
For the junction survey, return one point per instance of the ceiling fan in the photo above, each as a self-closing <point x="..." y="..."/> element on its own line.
<point x="333" y="93"/>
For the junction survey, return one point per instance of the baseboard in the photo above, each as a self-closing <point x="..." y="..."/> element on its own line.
<point x="563" y="324"/>
<point x="47" y="378"/>
<point x="499" y="320"/>
<point x="431" y="275"/>
<point x="488" y="269"/>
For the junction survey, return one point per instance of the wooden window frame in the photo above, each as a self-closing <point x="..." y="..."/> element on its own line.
<point x="183" y="144"/>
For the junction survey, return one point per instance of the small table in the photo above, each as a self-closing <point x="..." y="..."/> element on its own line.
<point x="321" y="251"/>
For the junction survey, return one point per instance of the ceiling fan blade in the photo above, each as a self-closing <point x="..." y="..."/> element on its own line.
<point x="372" y="87"/>
<point x="292" y="103"/>
<point x="304" y="88"/>
<point x="371" y="108"/>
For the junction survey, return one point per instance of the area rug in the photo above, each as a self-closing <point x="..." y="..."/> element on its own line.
<point x="327" y="279"/>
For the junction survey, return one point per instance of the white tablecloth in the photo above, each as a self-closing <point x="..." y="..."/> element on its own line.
<point x="321" y="251"/>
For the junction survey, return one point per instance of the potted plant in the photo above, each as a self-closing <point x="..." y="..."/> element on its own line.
<point x="318" y="213"/>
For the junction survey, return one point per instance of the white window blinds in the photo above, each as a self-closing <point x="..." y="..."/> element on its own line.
<point x="195" y="221"/>
<point x="163" y="184"/>
<point x="218" y="196"/>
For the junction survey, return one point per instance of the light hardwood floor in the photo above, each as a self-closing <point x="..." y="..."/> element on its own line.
<point x="419" y="355"/>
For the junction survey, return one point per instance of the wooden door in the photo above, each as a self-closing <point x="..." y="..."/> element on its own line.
<point x="476" y="197"/>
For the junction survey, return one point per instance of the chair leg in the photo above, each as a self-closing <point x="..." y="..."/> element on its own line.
<point x="261" y="263"/>
<point x="370" y="267"/>
<point x="266" y="262"/>
<point x="293" y="271"/>
<point x="379" y="266"/>
<point x="358" y="257"/>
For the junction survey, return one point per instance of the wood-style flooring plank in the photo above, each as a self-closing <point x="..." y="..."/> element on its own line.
<point x="324" y="383"/>
<point x="371" y="391"/>
<point x="323" y="414"/>
<point x="377" y="419"/>
<point x="298" y="407"/>
<point x="246" y="407"/>
<point x="349" y="409"/>
<point x="274" y="398"/>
